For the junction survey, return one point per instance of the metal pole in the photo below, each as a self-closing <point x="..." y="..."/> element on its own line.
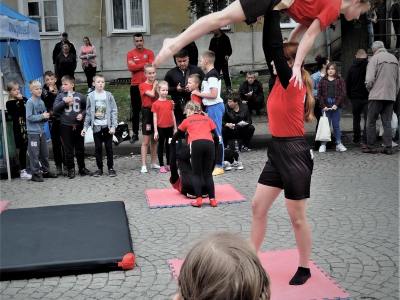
<point x="3" y="118"/>
<point x="252" y="46"/>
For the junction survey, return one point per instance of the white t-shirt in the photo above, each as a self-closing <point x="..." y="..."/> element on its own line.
<point x="211" y="80"/>
<point x="100" y="108"/>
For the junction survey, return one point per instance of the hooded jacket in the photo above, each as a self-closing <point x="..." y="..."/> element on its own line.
<point x="355" y="80"/>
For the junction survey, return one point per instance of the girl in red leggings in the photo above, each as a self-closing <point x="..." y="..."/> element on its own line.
<point x="200" y="130"/>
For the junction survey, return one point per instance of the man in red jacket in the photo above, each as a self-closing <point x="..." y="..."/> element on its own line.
<point x="136" y="59"/>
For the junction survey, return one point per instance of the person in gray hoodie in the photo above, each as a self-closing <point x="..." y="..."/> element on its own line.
<point x="36" y="117"/>
<point x="101" y="116"/>
<point x="383" y="83"/>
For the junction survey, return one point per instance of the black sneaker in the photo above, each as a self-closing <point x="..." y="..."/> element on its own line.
<point x="84" y="172"/>
<point x="98" y="173"/>
<point x="112" y="173"/>
<point x="387" y="150"/>
<point x="134" y="138"/>
<point x="49" y="175"/>
<point x="37" y="178"/>
<point x="71" y="174"/>
<point x="59" y="171"/>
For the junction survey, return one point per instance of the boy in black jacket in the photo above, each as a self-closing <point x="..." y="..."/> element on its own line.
<point x="71" y="107"/>
<point x="358" y="94"/>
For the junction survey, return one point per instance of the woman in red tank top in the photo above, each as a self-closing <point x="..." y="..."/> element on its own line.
<point x="290" y="160"/>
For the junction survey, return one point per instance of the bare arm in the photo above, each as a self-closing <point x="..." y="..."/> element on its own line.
<point x="305" y="45"/>
<point x="230" y="15"/>
<point x="296" y="33"/>
<point x="211" y="95"/>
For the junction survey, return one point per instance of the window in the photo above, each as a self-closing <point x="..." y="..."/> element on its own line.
<point x="48" y="14"/>
<point x="127" y="15"/>
<point x="199" y="8"/>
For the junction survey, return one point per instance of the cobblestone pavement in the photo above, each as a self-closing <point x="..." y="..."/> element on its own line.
<point x="353" y="211"/>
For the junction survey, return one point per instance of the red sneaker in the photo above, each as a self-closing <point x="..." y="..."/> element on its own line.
<point x="198" y="202"/>
<point x="213" y="203"/>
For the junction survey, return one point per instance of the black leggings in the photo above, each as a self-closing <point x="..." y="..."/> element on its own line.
<point x="164" y="134"/>
<point x="202" y="159"/>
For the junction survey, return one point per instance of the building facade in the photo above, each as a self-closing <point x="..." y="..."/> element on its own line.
<point x="110" y="25"/>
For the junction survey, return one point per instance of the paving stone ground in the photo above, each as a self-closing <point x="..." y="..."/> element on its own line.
<point x="353" y="211"/>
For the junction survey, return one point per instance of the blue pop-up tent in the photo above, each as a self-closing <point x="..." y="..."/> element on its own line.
<point x="20" y="38"/>
<point x="19" y="53"/>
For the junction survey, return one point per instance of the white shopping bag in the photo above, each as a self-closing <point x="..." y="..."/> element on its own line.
<point x="324" y="130"/>
<point x="89" y="136"/>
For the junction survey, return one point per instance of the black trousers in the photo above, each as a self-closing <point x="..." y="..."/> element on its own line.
<point x="90" y="72"/>
<point x="223" y="66"/>
<point x="163" y="136"/>
<point x="255" y="103"/>
<point x="241" y="133"/>
<point x="58" y="151"/>
<point x="359" y="107"/>
<point x="202" y="160"/>
<point x="103" y="136"/>
<point x="22" y="152"/>
<point x="385" y="109"/>
<point x="136" y="106"/>
<point x="73" y="144"/>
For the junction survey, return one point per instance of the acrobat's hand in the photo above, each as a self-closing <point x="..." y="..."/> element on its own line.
<point x="298" y="80"/>
<point x="166" y="52"/>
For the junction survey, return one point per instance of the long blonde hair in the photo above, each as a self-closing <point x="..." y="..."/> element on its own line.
<point x="223" y="266"/>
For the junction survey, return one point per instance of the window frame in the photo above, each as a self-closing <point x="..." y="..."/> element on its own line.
<point x="110" y="19"/>
<point x="23" y="8"/>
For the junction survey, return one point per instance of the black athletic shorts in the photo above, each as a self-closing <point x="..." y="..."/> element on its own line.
<point x="289" y="167"/>
<point x="147" y="121"/>
<point x="256" y="8"/>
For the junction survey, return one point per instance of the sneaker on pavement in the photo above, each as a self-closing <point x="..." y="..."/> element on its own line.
<point x="134" y="138"/>
<point x="340" y="148"/>
<point x="112" y="173"/>
<point x="245" y="149"/>
<point x="239" y="165"/>
<point x="369" y="150"/>
<point x="49" y="175"/>
<point x="59" y="170"/>
<point x="143" y="169"/>
<point x="84" y="172"/>
<point x="322" y="148"/>
<point x="98" y="173"/>
<point x="163" y="170"/>
<point x="155" y="166"/>
<point x="227" y="166"/>
<point x="218" y="171"/>
<point x="387" y="150"/>
<point x="25" y="175"/>
<point x="71" y="174"/>
<point x="37" y="178"/>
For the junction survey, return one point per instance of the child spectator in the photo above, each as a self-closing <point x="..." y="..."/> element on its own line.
<point x="36" y="116"/>
<point x="223" y="266"/>
<point x="210" y="93"/>
<point x="193" y="85"/>
<point x="199" y="129"/>
<point x="148" y="93"/>
<point x="49" y="94"/>
<point x="331" y="96"/>
<point x="251" y="92"/>
<point x="237" y="125"/>
<point x="164" y="124"/>
<point x="16" y="109"/>
<point x="71" y="107"/>
<point x="101" y="115"/>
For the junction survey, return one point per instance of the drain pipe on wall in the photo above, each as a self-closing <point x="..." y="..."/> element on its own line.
<point x="328" y="43"/>
<point x="252" y="46"/>
<point x="101" y="35"/>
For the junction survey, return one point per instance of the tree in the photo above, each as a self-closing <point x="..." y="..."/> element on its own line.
<point x="200" y="8"/>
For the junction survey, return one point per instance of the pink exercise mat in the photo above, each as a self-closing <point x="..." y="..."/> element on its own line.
<point x="3" y="205"/>
<point x="281" y="266"/>
<point x="158" y="198"/>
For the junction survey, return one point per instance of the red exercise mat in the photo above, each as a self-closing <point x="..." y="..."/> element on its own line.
<point x="281" y="266"/>
<point x="158" y="198"/>
<point x="3" y="205"/>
